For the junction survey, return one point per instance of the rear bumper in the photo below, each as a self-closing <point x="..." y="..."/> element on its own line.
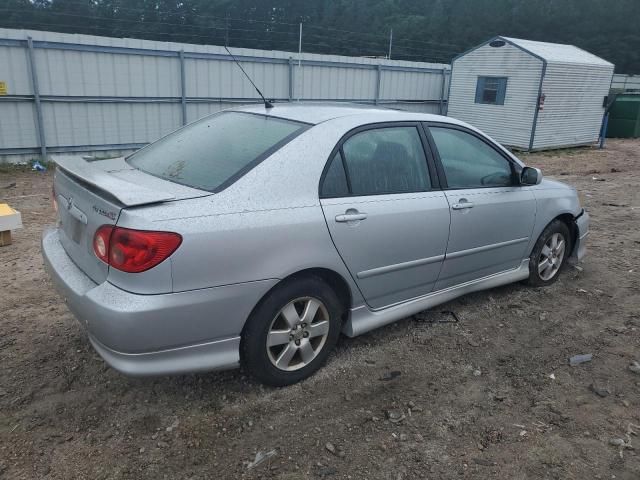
<point x="155" y="334"/>
<point x="580" y="248"/>
<point x="218" y="355"/>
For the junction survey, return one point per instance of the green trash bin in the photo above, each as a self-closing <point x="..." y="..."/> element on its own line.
<point x="624" y="117"/>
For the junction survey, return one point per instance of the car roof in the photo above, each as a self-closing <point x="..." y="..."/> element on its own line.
<point x="315" y="113"/>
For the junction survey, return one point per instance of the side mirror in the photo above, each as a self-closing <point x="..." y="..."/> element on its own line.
<point x="530" y="176"/>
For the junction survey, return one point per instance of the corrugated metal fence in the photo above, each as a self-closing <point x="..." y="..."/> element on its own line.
<point x="80" y="93"/>
<point x="626" y="83"/>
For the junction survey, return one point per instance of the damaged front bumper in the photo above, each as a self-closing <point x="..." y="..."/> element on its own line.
<point x="582" y="231"/>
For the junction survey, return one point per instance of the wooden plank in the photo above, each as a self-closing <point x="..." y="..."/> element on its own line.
<point x="5" y="238"/>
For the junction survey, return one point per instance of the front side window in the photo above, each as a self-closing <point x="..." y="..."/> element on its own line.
<point x="212" y="151"/>
<point x="469" y="162"/>
<point x="491" y="90"/>
<point x="386" y="160"/>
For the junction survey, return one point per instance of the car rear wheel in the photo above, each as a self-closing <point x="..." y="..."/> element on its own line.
<point x="290" y="334"/>
<point x="549" y="254"/>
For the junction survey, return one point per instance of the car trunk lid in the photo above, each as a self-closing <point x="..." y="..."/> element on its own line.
<point x="93" y="193"/>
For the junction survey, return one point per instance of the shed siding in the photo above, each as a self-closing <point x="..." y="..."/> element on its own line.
<point x="573" y="110"/>
<point x="509" y="124"/>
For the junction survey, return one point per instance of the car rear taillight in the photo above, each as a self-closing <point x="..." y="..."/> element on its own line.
<point x="133" y="251"/>
<point x="101" y="242"/>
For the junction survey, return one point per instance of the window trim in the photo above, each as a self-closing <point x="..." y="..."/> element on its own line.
<point x="515" y="167"/>
<point x="434" y="177"/>
<point x="501" y="92"/>
<point x="325" y="172"/>
<point x="304" y="126"/>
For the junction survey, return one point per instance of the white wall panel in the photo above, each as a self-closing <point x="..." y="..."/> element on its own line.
<point x="223" y="79"/>
<point x="64" y="72"/>
<point x="14" y="70"/>
<point x="17" y="125"/>
<point x="334" y="83"/>
<point x="411" y="85"/>
<point x="74" y="124"/>
<point x="134" y="95"/>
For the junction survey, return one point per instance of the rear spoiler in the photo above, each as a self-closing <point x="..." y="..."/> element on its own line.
<point x="127" y="193"/>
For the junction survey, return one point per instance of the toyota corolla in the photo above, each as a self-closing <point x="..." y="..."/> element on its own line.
<point x="255" y="236"/>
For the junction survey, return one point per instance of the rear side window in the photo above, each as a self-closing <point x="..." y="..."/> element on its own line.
<point x="214" y="151"/>
<point x="379" y="161"/>
<point x="335" y="181"/>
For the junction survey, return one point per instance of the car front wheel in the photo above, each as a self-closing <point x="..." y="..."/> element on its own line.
<point x="291" y="332"/>
<point x="549" y="254"/>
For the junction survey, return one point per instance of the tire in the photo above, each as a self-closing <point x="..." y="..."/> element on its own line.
<point x="540" y="276"/>
<point x="291" y="303"/>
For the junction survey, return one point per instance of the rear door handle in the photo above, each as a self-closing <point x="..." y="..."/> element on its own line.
<point x="462" y="205"/>
<point x="351" y="217"/>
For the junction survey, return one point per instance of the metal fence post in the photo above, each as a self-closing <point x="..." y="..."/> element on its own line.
<point x="299" y="60"/>
<point x="183" y="89"/>
<point x="378" y="83"/>
<point x="36" y="97"/>
<point x="603" y="129"/>
<point x="444" y="81"/>
<point x="290" y="79"/>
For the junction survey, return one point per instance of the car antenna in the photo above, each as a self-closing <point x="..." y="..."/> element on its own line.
<point x="267" y="103"/>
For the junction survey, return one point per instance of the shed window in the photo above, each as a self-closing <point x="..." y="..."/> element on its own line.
<point x="491" y="90"/>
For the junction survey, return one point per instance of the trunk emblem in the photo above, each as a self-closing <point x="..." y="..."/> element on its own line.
<point x="105" y="213"/>
<point x="70" y="203"/>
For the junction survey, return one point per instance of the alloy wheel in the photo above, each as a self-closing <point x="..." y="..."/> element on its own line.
<point x="298" y="333"/>
<point x="551" y="257"/>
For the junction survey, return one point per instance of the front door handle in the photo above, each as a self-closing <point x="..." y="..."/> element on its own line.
<point x="462" y="204"/>
<point x="351" y="215"/>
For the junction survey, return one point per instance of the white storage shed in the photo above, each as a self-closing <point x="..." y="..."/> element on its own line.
<point x="530" y="95"/>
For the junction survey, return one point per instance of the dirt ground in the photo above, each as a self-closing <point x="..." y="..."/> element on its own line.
<point x="488" y="396"/>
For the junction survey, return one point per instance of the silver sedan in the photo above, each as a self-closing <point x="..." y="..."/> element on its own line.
<point x="256" y="236"/>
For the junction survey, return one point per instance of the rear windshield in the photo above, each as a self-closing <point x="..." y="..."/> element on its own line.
<point x="213" y="152"/>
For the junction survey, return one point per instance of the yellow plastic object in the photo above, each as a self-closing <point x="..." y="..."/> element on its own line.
<point x="10" y="219"/>
<point x="6" y="210"/>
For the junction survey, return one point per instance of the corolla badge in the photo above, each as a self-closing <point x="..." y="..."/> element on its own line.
<point x="104" y="213"/>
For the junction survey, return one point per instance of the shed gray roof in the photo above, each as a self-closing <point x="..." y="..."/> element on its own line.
<point x="558" y="53"/>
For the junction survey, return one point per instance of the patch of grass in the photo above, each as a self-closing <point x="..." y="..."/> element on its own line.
<point x="13" y="167"/>
<point x="569" y="152"/>
<point x="27" y="165"/>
